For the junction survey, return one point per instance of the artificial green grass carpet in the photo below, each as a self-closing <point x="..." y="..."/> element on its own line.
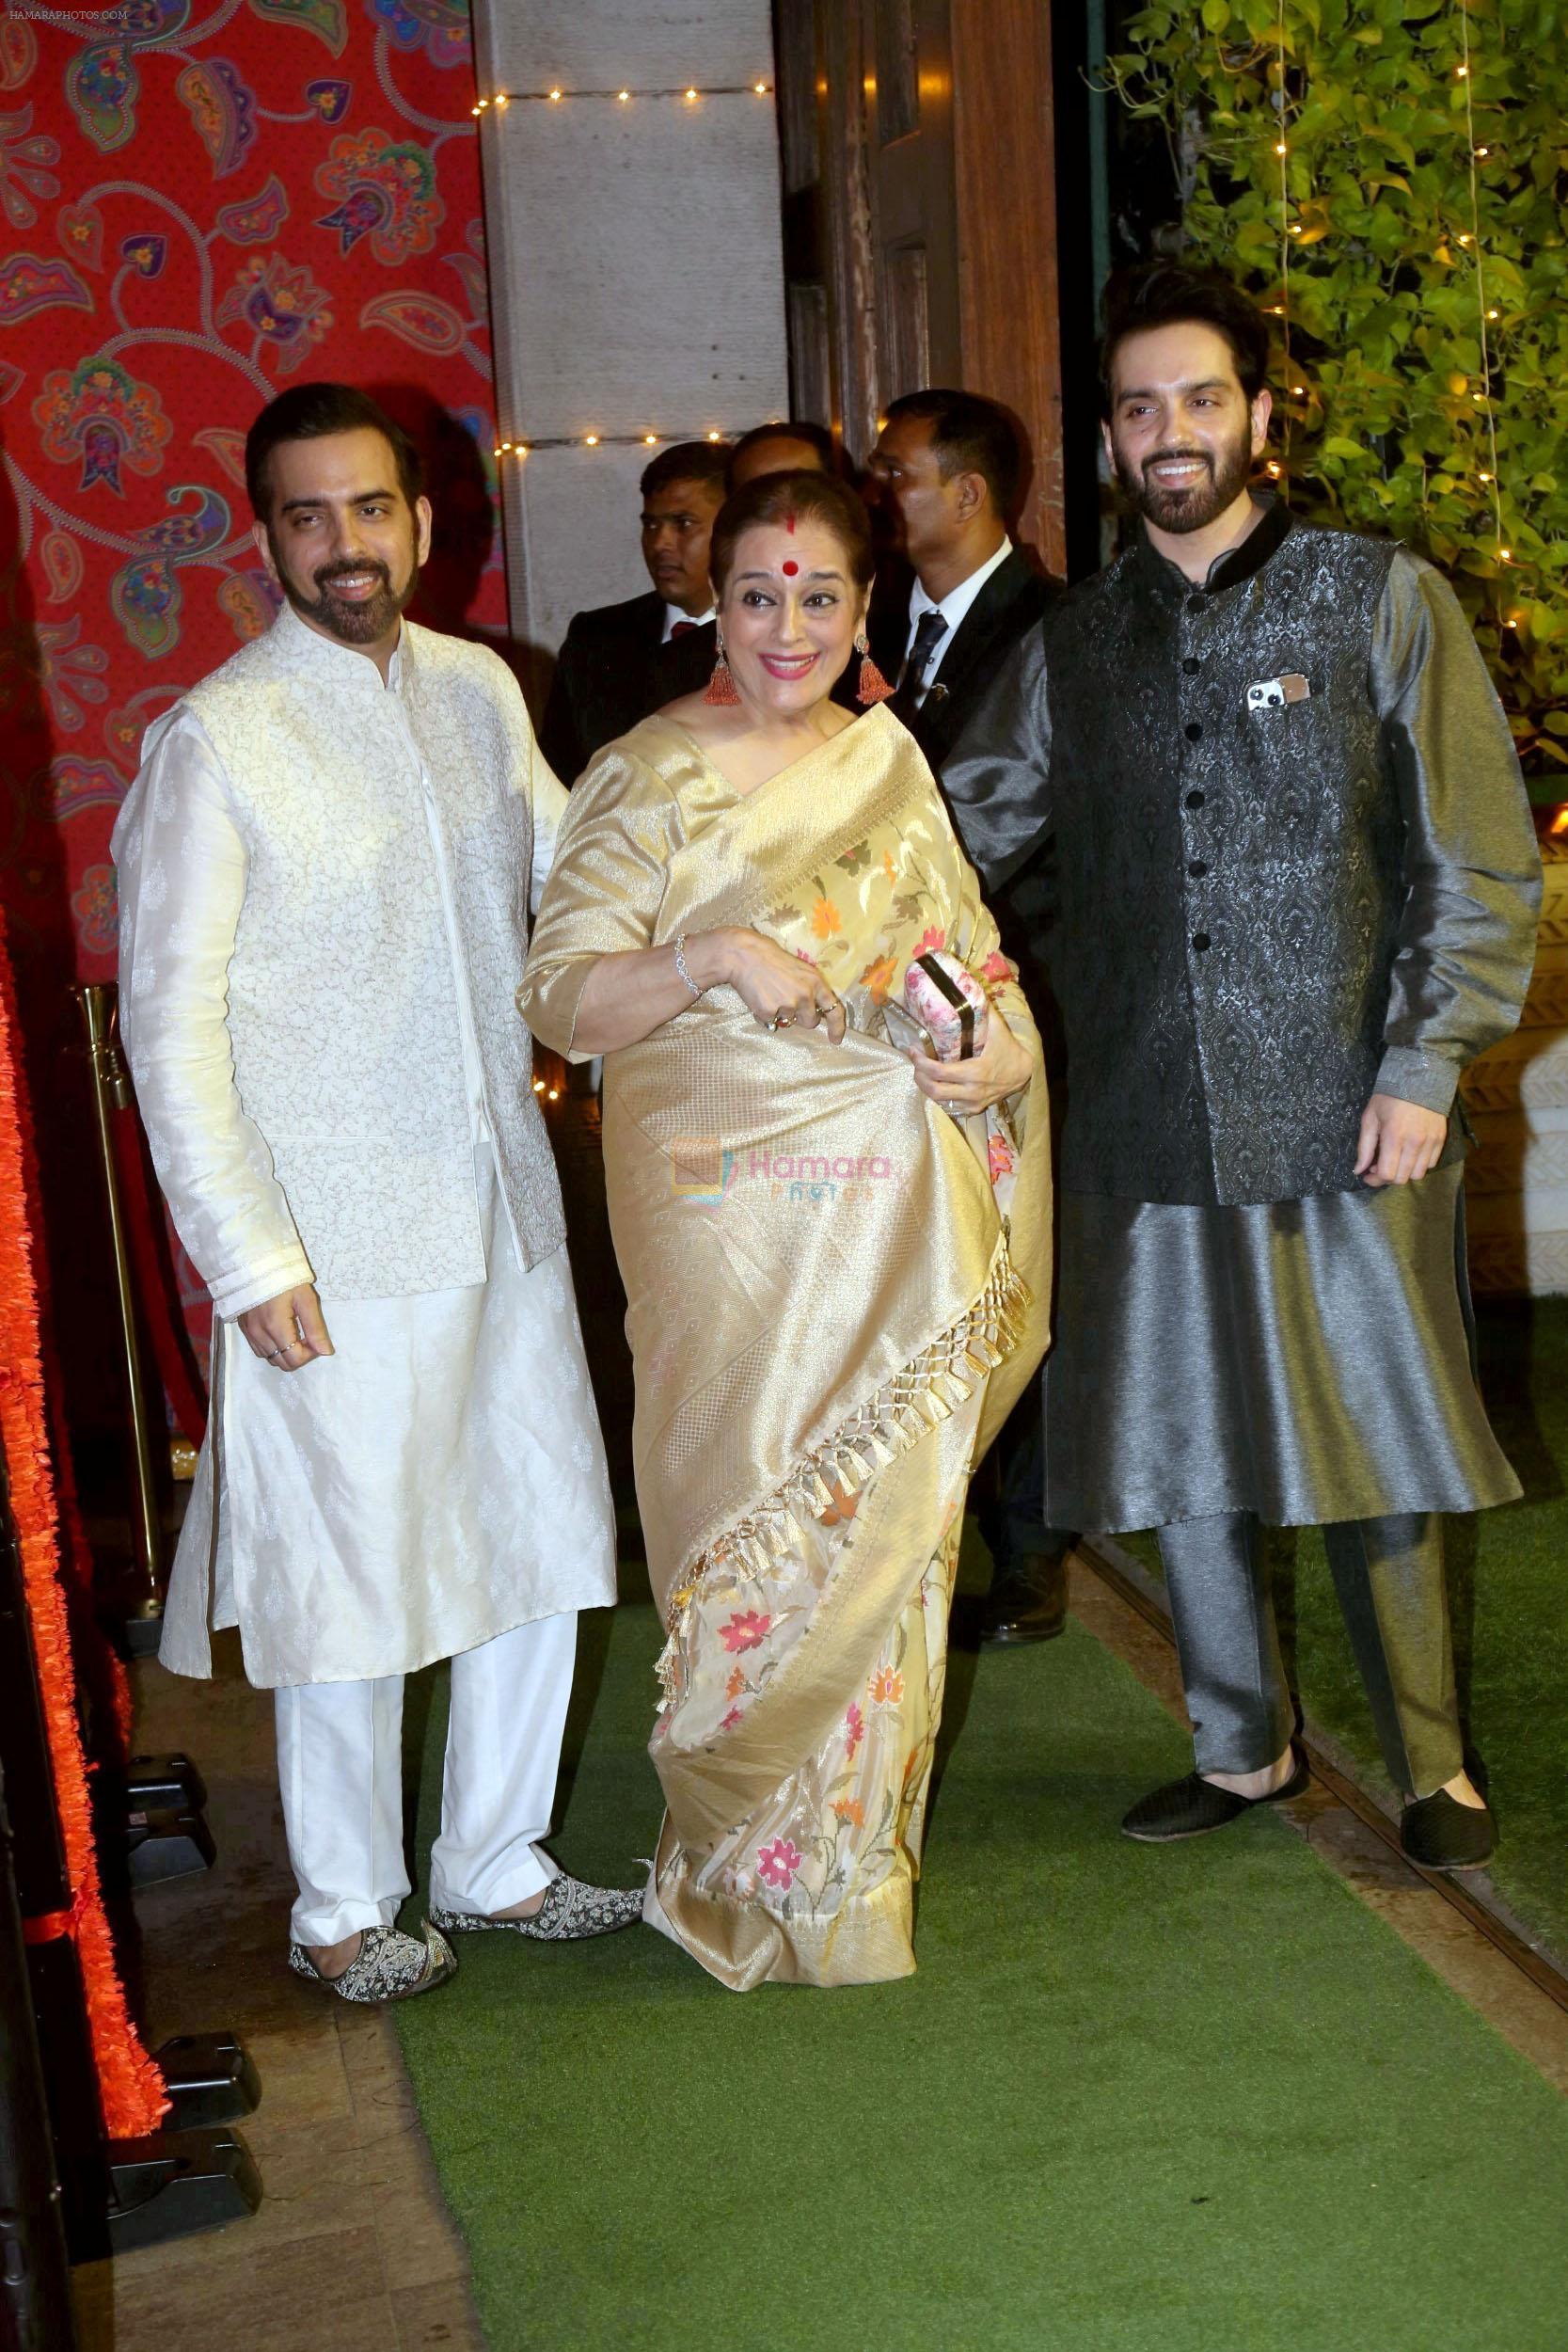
<point x="1197" y="2099"/>
<point x="1508" y="1580"/>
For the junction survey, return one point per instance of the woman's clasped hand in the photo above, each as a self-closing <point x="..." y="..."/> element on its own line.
<point x="1000" y="1068"/>
<point x="783" y="991"/>
<point x="777" y="988"/>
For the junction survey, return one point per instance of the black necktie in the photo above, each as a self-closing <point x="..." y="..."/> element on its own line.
<point x="928" y="630"/>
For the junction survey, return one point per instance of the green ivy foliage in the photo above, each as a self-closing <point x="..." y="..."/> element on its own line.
<point x="1385" y="410"/>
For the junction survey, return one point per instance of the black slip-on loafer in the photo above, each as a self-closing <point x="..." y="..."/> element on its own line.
<point x="1192" y="1807"/>
<point x="1437" y="1833"/>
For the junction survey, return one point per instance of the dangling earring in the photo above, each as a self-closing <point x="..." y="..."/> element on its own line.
<point x="721" y="687"/>
<point x="873" y="687"/>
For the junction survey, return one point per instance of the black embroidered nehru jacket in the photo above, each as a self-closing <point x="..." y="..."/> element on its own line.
<point x="1274" y="899"/>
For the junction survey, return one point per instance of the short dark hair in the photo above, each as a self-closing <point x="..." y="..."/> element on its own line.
<point x="814" y="437"/>
<point x="310" y="412"/>
<point x="970" y="435"/>
<point x="686" y="461"/>
<point x="1167" y="293"/>
<point x="775" y="497"/>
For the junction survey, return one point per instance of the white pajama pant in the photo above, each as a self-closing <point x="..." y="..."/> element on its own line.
<point x="340" y="1767"/>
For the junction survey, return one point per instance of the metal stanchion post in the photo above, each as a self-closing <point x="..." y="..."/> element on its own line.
<point x="111" y="1091"/>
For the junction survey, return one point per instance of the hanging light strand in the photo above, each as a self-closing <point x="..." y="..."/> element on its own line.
<point x="689" y="92"/>
<point x="1282" y="149"/>
<point x="523" y="447"/>
<point x="1504" y="553"/>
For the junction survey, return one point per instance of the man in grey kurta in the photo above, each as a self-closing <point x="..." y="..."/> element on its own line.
<point x="1298" y="887"/>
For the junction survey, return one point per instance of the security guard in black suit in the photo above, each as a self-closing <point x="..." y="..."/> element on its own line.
<point x="946" y="474"/>
<point x="622" y="661"/>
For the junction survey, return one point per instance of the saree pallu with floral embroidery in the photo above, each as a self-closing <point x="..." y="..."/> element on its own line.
<point x="836" y="1291"/>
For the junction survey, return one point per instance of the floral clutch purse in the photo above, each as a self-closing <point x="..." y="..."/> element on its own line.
<point x="949" y="1004"/>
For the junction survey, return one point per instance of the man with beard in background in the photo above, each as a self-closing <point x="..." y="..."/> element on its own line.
<point x="1297" y="889"/>
<point x="325" y="866"/>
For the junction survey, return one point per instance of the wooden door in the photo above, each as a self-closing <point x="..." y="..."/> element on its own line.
<point x="920" y="217"/>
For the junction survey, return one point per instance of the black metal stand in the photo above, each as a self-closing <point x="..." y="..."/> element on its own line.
<point x="210" y="2078"/>
<point x="176" y="2182"/>
<point x="110" y="2195"/>
<point x="34" y="2280"/>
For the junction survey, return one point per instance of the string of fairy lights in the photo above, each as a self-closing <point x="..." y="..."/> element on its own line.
<point x="1469" y="241"/>
<point x="1282" y="308"/>
<point x="1487" y="311"/>
<point x="609" y="441"/>
<point x="689" y="94"/>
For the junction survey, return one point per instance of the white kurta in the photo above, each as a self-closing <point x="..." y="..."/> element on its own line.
<point x="438" y="1480"/>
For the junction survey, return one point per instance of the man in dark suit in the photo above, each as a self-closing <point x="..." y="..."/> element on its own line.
<point x="946" y="472"/>
<point x="622" y="661"/>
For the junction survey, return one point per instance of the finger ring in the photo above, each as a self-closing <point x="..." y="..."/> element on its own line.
<point x="783" y="1021"/>
<point x="273" y="1353"/>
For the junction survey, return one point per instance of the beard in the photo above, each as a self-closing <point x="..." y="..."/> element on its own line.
<point x="1225" y="477"/>
<point x="357" y="623"/>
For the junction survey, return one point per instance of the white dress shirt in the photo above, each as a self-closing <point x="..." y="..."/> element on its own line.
<point x="952" y="607"/>
<point x="674" y="614"/>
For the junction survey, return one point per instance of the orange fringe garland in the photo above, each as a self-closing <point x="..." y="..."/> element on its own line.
<point x="131" y="2088"/>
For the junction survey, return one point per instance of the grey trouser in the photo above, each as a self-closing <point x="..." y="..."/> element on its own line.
<point x="1389" y="1576"/>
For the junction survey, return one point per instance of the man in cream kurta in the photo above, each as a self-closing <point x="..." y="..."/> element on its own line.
<point x="327" y="865"/>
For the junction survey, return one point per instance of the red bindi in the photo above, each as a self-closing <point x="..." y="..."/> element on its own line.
<point x="790" y="568"/>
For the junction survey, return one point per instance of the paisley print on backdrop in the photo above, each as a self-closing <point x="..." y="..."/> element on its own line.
<point x="28" y="285"/>
<point x="283" y="307"/>
<point x="80" y="229"/>
<point x="146" y="595"/>
<point x="25" y="177"/>
<point x="440" y="27"/>
<point x="256" y="222"/>
<point x="423" y="319"/>
<point x="386" y="190"/>
<point x="72" y="787"/>
<point x="326" y="19"/>
<point x="60" y="558"/>
<point x="100" y="417"/>
<point x="223" y="111"/>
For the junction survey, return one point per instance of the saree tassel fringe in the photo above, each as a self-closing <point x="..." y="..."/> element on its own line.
<point x="923" y="1392"/>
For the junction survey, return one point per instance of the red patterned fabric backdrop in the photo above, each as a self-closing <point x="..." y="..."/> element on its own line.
<point x="205" y="200"/>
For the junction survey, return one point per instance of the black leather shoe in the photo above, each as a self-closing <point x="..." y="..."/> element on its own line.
<point x="1437" y="1833"/>
<point x="1028" y="1604"/>
<point x="1191" y="1807"/>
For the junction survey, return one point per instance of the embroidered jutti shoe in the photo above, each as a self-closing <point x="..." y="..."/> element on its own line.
<point x="388" y="1966"/>
<point x="571" y="1912"/>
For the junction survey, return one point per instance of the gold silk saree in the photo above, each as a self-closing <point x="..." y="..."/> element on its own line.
<point x="835" y="1293"/>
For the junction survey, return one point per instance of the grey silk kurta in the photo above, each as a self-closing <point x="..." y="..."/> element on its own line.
<point x="1265" y="915"/>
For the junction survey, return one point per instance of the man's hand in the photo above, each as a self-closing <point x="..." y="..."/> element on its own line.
<point x="1399" y="1141"/>
<point x="289" y="1331"/>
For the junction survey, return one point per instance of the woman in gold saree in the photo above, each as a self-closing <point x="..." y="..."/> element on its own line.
<point x="836" y="1248"/>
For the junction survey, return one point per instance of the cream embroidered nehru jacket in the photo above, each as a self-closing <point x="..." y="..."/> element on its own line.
<point x="310" y="1119"/>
